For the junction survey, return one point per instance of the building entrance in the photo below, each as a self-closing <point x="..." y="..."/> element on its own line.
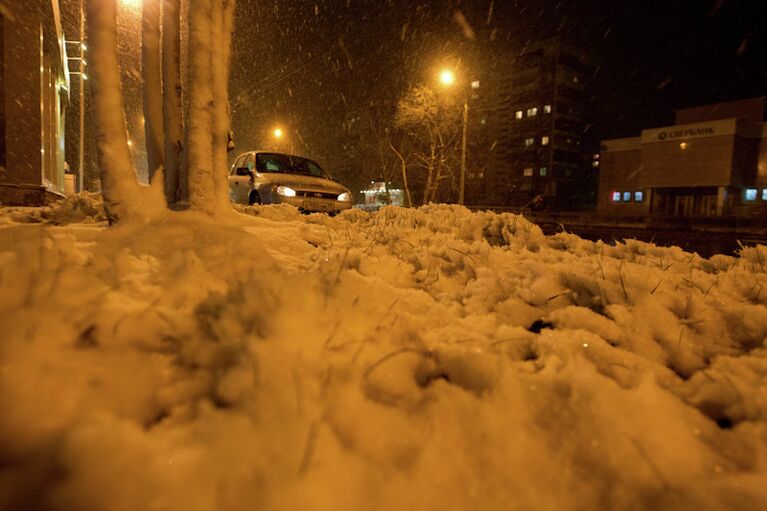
<point x="684" y="202"/>
<point x="684" y="205"/>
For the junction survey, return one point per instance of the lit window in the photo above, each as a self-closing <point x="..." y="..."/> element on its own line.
<point x="483" y="121"/>
<point x="529" y="142"/>
<point x="475" y="84"/>
<point x="683" y="146"/>
<point x="532" y="112"/>
<point x="638" y="196"/>
<point x="543" y="171"/>
<point x="528" y="172"/>
<point x="764" y="194"/>
<point x="544" y="140"/>
<point x="615" y="196"/>
<point x="750" y="194"/>
<point x="518" y="115"/>
<point x="546" y="109"/>
<point x="626" y="196"/>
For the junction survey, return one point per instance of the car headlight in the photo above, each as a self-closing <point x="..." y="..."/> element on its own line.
<point x="345" y="197"/>
<point x="286" y="191"/>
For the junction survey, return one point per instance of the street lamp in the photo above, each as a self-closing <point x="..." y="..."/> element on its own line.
<point x="447" y="79"/>
<point x="280" y="139"/>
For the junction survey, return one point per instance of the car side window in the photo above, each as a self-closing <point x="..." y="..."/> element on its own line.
<point x="237" y="164"/>
<point x="249" y="162"/>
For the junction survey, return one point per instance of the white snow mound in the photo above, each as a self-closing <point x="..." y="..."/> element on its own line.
<point x="428" y="358"/>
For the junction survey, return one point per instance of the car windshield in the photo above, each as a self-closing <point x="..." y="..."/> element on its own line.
<point x="287" y="164"/>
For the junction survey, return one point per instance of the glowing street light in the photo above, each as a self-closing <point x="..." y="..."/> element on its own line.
<point x="447" y="79"/>
<point x="277" y="133"/>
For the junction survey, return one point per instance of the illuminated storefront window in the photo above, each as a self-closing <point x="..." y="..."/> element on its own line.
<point x="638" y="196"/>
<point x="750" y="195"/>
<point x="615" y="196"/>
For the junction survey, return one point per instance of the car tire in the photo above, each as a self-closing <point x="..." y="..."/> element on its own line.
<point x="254" y="198"/>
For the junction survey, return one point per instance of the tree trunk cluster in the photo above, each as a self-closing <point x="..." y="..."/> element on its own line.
<point x="186" y="123"/>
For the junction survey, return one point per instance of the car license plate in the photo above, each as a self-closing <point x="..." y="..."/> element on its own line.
<point x="315" y="205"/>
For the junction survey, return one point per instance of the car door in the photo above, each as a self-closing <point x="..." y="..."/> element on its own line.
<point x="239" y="185"/>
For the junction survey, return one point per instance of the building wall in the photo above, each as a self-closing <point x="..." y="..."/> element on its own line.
<point x="35" y="97"/>
<point x="2" y="93"/>
<point x="761" y="167"/>
<point x="620" y="172"/>
<point x="704" y="162"/>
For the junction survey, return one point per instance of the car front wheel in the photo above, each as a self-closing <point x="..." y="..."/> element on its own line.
<point x="254" y="198"/>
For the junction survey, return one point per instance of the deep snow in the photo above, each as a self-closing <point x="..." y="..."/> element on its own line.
<point x="373" y="361"/>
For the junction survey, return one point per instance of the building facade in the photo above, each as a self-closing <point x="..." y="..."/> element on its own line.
<point x="711" y="164"/>
<point x="534" y="122"/>
<point x="34" y="85"/>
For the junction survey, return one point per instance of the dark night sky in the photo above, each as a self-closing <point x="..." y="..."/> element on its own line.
<point x="326" y="68"/>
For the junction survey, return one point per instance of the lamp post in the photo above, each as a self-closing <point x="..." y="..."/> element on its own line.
<point x="447" y="79"/>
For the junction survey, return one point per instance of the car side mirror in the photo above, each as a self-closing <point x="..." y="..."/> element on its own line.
<point x="244" y="171"/>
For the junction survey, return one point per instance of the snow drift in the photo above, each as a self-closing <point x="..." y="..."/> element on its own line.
<point x="409" y="359"/>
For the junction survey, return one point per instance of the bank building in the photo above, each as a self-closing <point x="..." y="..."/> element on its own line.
<point x="711" y="164"/>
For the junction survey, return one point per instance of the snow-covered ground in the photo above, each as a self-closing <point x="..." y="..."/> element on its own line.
<point x="431" y="359"/>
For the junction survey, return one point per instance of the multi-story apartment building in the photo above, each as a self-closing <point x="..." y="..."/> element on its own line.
<point x="533" y="132"/>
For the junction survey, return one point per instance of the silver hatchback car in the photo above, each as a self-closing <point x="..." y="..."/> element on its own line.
<point x="260" y="177"/>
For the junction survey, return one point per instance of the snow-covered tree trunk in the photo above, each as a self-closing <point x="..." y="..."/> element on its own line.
<point x="403" y="166"/>
<point x="173" y="129"/>
<point x="222" y="25"/>
<point x="121" y="191"/>
<point x="427" y="192"/>
<point x="152" y="84"/>
<point x="199" y="126"/>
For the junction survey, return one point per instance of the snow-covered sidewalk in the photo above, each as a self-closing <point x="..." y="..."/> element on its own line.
<point x="431" y="359"/>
